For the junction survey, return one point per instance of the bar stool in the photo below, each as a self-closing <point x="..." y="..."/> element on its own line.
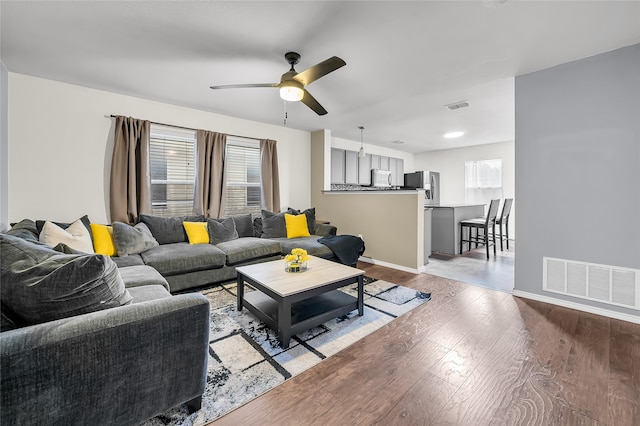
<point x="503" y="219"/>
<point x="481" y="223"/>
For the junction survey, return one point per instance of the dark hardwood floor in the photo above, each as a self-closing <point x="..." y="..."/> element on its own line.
<point x="470" y="356"/>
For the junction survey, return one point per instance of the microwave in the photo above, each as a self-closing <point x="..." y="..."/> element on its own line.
<point x="380" y="178"/>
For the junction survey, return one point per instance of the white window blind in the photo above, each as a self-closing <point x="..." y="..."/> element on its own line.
<point x="172" y="155"/>
<point x="482" y="181"/>
<point x="242" y="163"/>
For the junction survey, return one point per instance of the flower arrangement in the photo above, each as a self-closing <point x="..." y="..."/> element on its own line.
<point x="296" y="261"/>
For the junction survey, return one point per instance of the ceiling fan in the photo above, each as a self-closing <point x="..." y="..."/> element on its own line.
<point x="292" y="83"/>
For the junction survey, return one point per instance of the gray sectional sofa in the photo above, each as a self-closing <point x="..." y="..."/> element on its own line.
<point x="68" y="357"/>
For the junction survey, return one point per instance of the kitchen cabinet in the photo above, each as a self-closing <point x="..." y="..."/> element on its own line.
<point x="396" y="166"/>
<point x="375" y="161"/>
<point x="337" y="165"/>
<point x="384" y="162"/>
<point x="351" y="167"/>
<point x="364" y="170"/>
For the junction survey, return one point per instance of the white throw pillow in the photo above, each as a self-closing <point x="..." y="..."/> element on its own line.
<point x="75" y="236"/>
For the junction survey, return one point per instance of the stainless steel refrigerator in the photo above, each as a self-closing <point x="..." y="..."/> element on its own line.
<point x="427" y="180"/>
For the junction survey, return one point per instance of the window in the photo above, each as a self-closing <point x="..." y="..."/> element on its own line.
<point x="482" y="181"/>
<point x="172" y="157"/>
<point x="242" y="162"/>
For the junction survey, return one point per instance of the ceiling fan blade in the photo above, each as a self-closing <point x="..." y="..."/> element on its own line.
<point x="311" y="102"/>
<point x="242" y="86"/>
<point x="319" y="70"/>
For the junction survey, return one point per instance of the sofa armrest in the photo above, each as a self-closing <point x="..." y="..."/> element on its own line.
<point x="324" y="229"/>
<point x="116" y="366"/>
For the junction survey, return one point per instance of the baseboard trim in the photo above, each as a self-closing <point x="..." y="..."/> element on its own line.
<point x="392" y="265"/>
<point x="578" y="306"/>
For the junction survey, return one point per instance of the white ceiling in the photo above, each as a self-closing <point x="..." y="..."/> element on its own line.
<point x="405" y="60"/>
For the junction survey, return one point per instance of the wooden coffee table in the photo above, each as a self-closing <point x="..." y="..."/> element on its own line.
<point x="292" y="302"/>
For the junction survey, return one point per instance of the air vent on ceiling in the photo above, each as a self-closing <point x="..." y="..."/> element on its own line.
<point x="457" y="105"/>
<point x="397" y="142"/>
<point x="608" y="284"/>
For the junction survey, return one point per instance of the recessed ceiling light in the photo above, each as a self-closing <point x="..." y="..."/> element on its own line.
<point x="451" y="135"/>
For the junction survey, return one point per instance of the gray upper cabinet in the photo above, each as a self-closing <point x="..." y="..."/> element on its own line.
<point x="351" y="167"/>
<point x="364" y="170"/>
<point x="396" y="166"/>
<point x="375" y="161"/>
<point x="337" y="165"/>
<point x="384" y="163"/>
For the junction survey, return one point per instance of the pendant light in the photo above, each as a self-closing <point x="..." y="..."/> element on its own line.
<point x="361" y="152"/>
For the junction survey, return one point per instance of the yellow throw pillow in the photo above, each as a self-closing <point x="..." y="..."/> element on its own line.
<point x="296" y="225"/>
<point x="197" y="232"/>
<point x="103" y="239"/>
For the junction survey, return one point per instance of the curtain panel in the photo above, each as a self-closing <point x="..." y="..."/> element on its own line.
<point x="211" y="182"/>
<point x="270" y="175"/>
<point x="130" y="184"/>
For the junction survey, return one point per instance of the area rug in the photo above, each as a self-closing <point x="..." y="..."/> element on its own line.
<point x="245" y="359"/>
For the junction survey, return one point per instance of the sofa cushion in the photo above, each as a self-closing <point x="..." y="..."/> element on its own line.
<point x="76" y="236"/>
<point x="197" y="232"/>
<point x="182" y="258"/>
<point x="296" y="225"/>
<point x="311" y="217"/>
<point x="249" y="248"/>
<point x="168" y="230"/>
<point x="132" y="239"/>
<point x="310" y="244"/>
<point x="39" y="284"/>
<point x="25" y="229"/>
<point x="136" y="276"/>
<point x="64" y="225"/>
<point x="148" y="293"/>
<point x="103" y="239"/>
<point x="273" y="225"/>
<point x="221" y="230"/>
<point x="131" y="260"/>
<point x="244" y="225"/>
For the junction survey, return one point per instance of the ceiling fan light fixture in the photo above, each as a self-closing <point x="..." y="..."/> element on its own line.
<point x="291" y="92"/>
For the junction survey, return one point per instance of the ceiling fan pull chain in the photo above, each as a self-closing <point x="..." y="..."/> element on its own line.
<point x="284" y="106"/>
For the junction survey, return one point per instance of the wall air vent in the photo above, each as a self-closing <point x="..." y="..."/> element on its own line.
<point x="457" y="105"/>
<point x="602" y="283"/>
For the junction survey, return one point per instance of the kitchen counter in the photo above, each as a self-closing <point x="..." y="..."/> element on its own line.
<point x="445" y="225"/>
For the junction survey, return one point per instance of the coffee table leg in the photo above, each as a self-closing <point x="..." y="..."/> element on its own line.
<point x="284" y="323"/>
<point x="360" y="296"/>
<point x="240" y="290"/>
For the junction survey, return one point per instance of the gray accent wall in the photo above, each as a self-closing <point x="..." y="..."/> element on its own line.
<point x="4" y="149"/>
<point x="577" y="179"/>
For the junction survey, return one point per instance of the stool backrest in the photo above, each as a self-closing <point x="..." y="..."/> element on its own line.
<point x="493" y="211"/>
<point x="506" y="209"/>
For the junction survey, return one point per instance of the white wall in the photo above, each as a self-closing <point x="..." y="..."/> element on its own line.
<point x="61" y="142"/>
<point x="578" y="179"/>
<point x="450" y="164"/>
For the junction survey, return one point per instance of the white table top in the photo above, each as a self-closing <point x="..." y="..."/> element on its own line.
<point x="319" y="272"/>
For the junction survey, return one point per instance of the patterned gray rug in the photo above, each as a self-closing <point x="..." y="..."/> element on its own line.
<point x="245" y="359"/>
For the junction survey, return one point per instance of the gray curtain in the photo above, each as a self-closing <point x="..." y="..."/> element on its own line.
<point x="270" y="175"/>
<point x="130" y="185"/>
<point x="211" y="182"/>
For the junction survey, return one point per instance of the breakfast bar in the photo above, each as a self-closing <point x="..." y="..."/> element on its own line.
<point x="445" y="226"/>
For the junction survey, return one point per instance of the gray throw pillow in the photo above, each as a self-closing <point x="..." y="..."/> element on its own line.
<point x="311" y="218"/>
<point x="244" y="225"/>
<point x="221" y="230"/>
<point x="25" y="229"/>
<point x="132" y="239"/>
<point x="167" y="230"/>
<point x="39" y="284"/>
<point x="273" y="225"/>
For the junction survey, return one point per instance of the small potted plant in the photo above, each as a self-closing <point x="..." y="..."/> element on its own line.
<point x="296" y="261"/>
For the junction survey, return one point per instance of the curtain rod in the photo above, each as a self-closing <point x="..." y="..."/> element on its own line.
<point x="189" y="128"/>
